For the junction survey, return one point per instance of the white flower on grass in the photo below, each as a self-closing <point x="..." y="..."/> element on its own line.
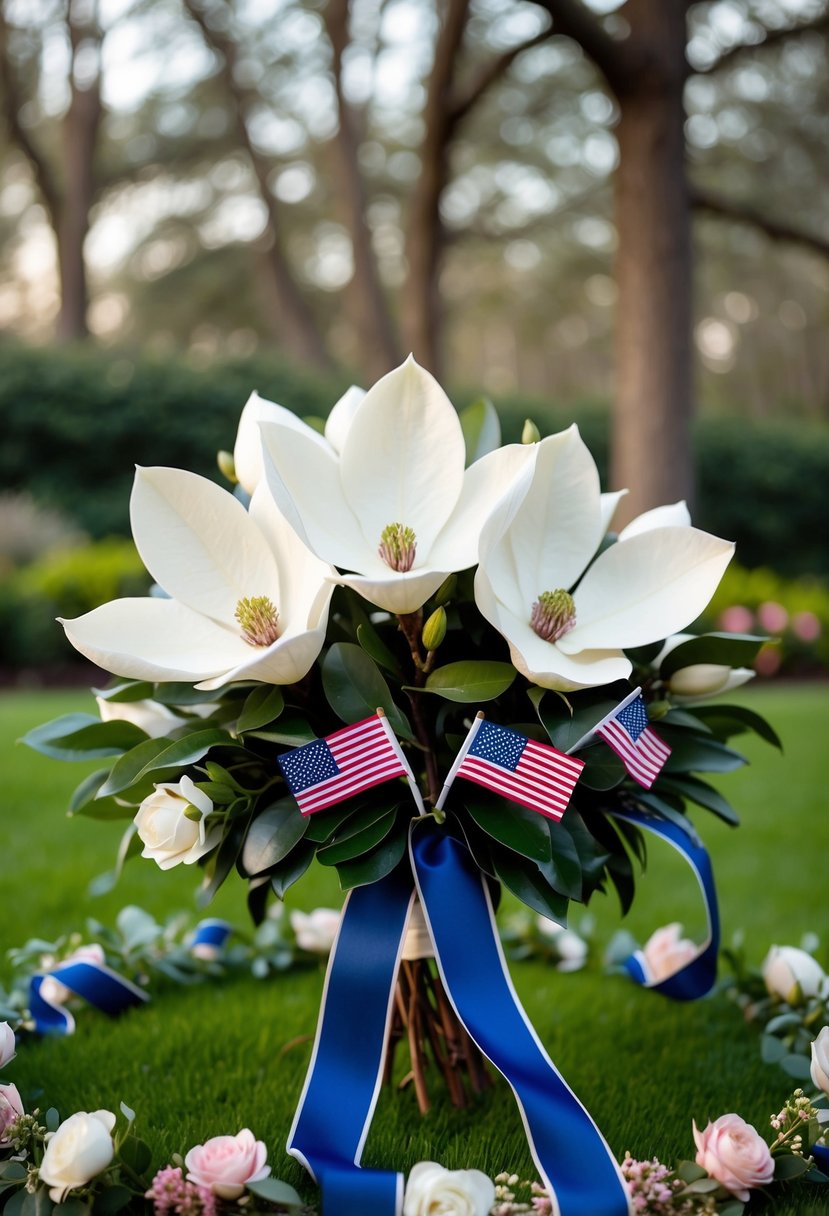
<point x="433" y="1190"/>
<point x="315" y="931"/>
<point x="568" y="617"/>
<point x="792" y="974"/>
<point x="77" y="1152"/>
<point x="700" y="680"/>
<point x="394" y="506"/>
<point x="248" y="601"/>
<point x="171" y="824"/>
<point x="247" y="452"/>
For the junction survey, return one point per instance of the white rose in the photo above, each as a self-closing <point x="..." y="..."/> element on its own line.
<point x="791" y="973"/>
<point x="169" y="836"/>
<point x="6" y="1043"/>
<point x="79" y="1150"/>
<point x="571" y="949"/>
<point x="315" y="931"/>
<point x="820" y="1061"/>
<point x="53" y="990"/>
<point x="435" y="1191"/>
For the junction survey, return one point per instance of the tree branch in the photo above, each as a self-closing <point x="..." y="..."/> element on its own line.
<point x="769" y="38"/>
<point x="12" y="103"/>
<point x="731" y="209"/>
<point x="614" y="59"/>
<point x="491" y="73"/>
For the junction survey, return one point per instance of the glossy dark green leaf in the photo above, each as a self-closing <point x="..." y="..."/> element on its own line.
<point x="728" y="720"/>
<point x="355" y="689"/>
<point x="87" y="790"/>
<point x="520" y="829"/>
<point x="723" y="649"/>
<point x="373" y="866"/>
<point x="175" y="693"/>
<point x="565" y="729"/>
<point x="703" y="794"/>
<point x="83" y="737"/>
<point x="686" y="718"/>
<point x="376" y="649"/>
<point x="528" y="884"/>
<point x="129" y="847"/>
<point x="272" y="835"/>
<point x="154" y="755"/>
<point x="323" y="824"/>
<point x="113" y="1199"/>
<point x="643" y="656"/>
<point x="291" y="868"/>
<point x="290" y="731"/>
<point x="563" y="870"/>
<point x="351" y="842"/>
<point x="592" y="856"/>
<point x="478" y="843"/>
<point x="696" y="753"/>
<point x="603" y="770"/>
<point x="481" y="429"/>
<point x="653" y="803"/>
<point x="221" y="863"/>
<point x="136" y="1154"/>
<point x="262" y="706"/>
<point x="471" y="681"/>
<point x="127" y="690"/>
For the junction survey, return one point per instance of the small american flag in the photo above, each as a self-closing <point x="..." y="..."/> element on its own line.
<point x="532" y="774"/>
<point x="353" y="759"/>
<point x="641" y="750"/>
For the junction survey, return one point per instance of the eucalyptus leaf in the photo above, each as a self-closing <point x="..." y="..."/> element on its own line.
<point x="788" y="1166"/>
<point x="272" y="835"/>
<point x="355" y="689"/>
<point x="470" y="681"/>
<point x="273" y="1190"/>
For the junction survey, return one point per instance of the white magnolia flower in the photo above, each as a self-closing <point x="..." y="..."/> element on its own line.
<point x="168" y="828"/>
<point x="566" y="620"/>
<point x="247" y="452"/>
<point x="77" y="1152"/>
<point x="699" y="680"/>
<point x="432" y="1191"/>
<point x="395" y="506"/>
<point x="248" y="600"/>
<point x="315" y="931"/>
<point x="791" y="973"/>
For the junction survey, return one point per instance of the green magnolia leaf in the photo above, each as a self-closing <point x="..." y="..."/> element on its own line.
<point x="701" y="793"/>
<point x="471" y="681"/>
<point x="355" y="689"/>
<point x="566" y="729"/>
<point x="694" y="753"/>
<point x="685" y="718"/>
<point x="263" y="705"/>
<point x="288" y="871"/>
<point x="520" y="829"/>
<point x="273" y="1190"/>
<point x="220" y="864"/>
<point x="527" y="882"/>
<point x="128" y="690"/>
<point x="723" y="649"/>
<point x="272" y="835"/>
<point x="652" y="802"/>
<point x="376" y="649"/>
<point x="481" y="429"/>
<point x="727" y="720"/>
<point x="290" y="731"/>
<point x="113" y="1199"/>
<point x="83" y="737"/>
<point x="323" y="824"/>
<point x="129" y="847"/>
<point x="373" y="866"/>
<point x="87" y="790"/>
<point x="354" y="840"/>
<point x="563" y="871"/>
<point x="643" y="656"/>
<point x="155" y="755"/>
<point x="173" y="693"/>
<point x="603" y="770"/>
<point x="478" y="844"/>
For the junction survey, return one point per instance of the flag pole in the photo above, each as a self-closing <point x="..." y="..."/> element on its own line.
<point x="618" y="709"/>
<point x="459" y="759"/>
<point x="395" y="742"/>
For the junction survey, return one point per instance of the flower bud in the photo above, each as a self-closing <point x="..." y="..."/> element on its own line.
<point x="530" y="433"/>
<point x="227" y="466"/>
<point x="446" y="590"/>
<point x="434" y="631"/>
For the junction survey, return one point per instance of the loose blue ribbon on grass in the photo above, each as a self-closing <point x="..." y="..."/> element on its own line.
<point x="345" y="1072"/>
<point x="698" y="976"/>
<point x="95" y="982"/>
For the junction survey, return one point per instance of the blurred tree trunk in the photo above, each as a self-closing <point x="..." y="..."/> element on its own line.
<point x="651" y="443"/>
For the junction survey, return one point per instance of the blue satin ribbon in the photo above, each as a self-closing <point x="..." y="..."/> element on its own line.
<point x="344" y="1075"/>
<point x="96" y="983"/>
<point x="211" y="932"/>
<point x="698" y="976"/>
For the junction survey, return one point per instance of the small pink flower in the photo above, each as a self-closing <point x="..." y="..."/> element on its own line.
<point x="11" y="1108"/>
<point x="806" y="626"/>
<point x="768" y="661"/>
<point x="171" y="1192"/>
<point x="225" y="1164"/>
<point x="772" y="616"/>
<point x="736" y="619"/>
<point x="734" y="1154"/>
<point x="666" y="952"/>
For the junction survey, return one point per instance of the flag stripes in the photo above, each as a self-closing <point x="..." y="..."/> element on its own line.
<point x="533" y="774"/>
<point x="643" y="756"/>
<point x="353" y="759"/>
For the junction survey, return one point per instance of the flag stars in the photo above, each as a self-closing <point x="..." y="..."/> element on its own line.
<point x="498" y="744"/>
<point x="634" y="718"/>
<point x="305" y="766"/>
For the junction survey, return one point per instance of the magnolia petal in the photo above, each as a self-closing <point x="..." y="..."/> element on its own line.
<point x="304" y="479"/>
<point x="558" y="526"/>
<point x="247" y="452"/>
<point x="303" y="578"/>
<point x="484" y="484"/>
<point x="342" y="412"/>
<point x="672" y="515"/>
<point x="399" y="593"/>
<point x="542" y="662"/>
<point x="287" y="660"/>
<point x="155" y="639"/>
<point x="403" y="457"/>
<point x="608" y="503"/>
<point x="198" y="543"/>
<point x="702" y="681"/>
<point x="644" y="588"/>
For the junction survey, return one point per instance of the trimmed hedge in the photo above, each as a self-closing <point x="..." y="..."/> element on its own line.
<point x="75" y="422"/>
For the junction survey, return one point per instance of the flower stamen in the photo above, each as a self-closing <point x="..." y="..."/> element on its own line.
<point x="553" y="614"/>
<point x="398" y="547"/>
<point x="258" y="618"/>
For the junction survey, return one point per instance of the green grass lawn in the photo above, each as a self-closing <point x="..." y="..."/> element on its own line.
<point x="210" y="1059"/>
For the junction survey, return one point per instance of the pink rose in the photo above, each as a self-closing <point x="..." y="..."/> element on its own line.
<point x="11" y="1108"/>
<point x="225" y="1164"/>
<point x="734" y="1154"/>
<point x="665" y="952"/>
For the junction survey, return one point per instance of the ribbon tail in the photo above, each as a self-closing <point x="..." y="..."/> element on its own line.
<point x="97" y="984"/>
<point x="344" y="1077"/>
<point x="575" y="1163"/>
<point x="697" y="977"/>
